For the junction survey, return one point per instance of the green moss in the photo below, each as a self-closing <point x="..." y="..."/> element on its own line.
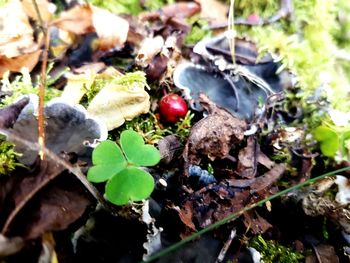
<point x="132" y="7"/>
<point x="8" y="157"/>
<point x="274" y="252"/>
<point x="22" y="85"/>
<point x="199" y="30"/>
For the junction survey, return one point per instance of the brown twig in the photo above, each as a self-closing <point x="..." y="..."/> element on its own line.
<point x="41" y="117"/>
<point x="226" y="246"/>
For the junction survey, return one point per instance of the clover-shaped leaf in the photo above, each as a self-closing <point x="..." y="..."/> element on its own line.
<point x="130" y="184"/>
<point x="329" y="140"/>
<point x="126" y="181"/>
<point x="108" y="160"/>
<point x="136" y="151"/>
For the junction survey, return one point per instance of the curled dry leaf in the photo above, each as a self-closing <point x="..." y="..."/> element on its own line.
<point x="214" y="135"/>
<point x="256" y="223"/>
<point x="266" y="180"/>
<point x="40" y="206"/>
<point x="149" y="48"/>
<point x="17" y="46"/>
<point x="77" y="20"/>
<point x="43" y="6"/>
<point x="15" y="64"/>
<point x="116" y="103"/>
<point x="112" y="30"/>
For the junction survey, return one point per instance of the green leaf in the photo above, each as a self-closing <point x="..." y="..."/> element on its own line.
<point x="329" y="140"/>
<point x="130" y="184"/>
<point x="136" y="151"/>
<point x="108" y="160"/>
<point x="343" y="143"/>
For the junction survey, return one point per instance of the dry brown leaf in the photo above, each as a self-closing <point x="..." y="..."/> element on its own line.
<point x="111" y="29"/>
<point x="213" y="10"/>
<point x="15" y="31"/>
<point x="150" y="47"/>
<point x="256" y="223"/>
<point x="77" y="20"/>
<point x="16" y="64"/>
<point x="43" y="6"/>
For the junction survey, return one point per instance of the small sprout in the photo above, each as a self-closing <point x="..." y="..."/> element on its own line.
<point x="121" y="166"/>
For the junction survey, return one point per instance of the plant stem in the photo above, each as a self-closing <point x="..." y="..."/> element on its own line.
<point x="240" y="212"/>
<point x="41" y="117"/>
<point x="231" y="30"/>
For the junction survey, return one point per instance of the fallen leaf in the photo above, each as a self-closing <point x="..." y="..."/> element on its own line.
<point x="150" y="47"/>
<point x="43" y="6"/>
<point x="256" y="223"/>
<point x="77" y="20"/>
<point x="116" y="103"/>
<point x="214" y="135"/>
<point x="16" y="64"/>
<point x="112" y="30"/>
<point x="38" y="206"/>
<point x="324" y="254"/>
<point x="15" y="31"/>
<point x="213" y="10"/>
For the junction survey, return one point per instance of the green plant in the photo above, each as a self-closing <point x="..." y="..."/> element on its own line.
<point x="274" y="252"/>
<point x="121" y="168"/>
<point x="8" y="156"/>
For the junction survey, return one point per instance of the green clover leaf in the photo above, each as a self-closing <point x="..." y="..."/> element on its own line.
<point x="329" y="140"/>
<point x="129" y="184"/>
<point x="108" y="160"/>
<point x="126" y="181"/>
<point x="136" y="151"/>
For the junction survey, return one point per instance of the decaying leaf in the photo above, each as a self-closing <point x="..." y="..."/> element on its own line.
<point x="112" y="30"/>
<point x="38" y="206"/>
<point x="256" y="223"/>
<point x="323" y="254"/>
<point x="213" y="10"/>
<point x="149" y="48"/>
<point x="247" y="159"/>
<point x="116" y="103"/>
<point x="15" y="64"/>
<point x="214" y="135"/>
<point x="43" y="6"/>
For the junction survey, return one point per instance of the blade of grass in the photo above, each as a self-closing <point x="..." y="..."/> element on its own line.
<point x="179" y="244"/>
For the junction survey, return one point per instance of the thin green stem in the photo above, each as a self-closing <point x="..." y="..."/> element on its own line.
<point x="237" y="214"/>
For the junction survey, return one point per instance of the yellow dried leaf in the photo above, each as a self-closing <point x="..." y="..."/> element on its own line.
<point x="116" y="103"/>
<point x="43" y="6"/>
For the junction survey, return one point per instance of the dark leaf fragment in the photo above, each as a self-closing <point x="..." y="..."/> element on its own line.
<point x="256" y="223"/>
<point x="266" y="180"/>
<point x="9" y="114"/>
<point x="213" y="136"/>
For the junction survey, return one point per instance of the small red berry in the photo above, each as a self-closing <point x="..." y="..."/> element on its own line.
<point x="172" y="107"/>
<point x="253" y="19"/>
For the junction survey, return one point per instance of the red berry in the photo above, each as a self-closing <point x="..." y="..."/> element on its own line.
<point x="172" y="107"/>
<point x="253" y="19"/>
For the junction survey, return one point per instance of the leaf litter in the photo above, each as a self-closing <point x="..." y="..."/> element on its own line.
<point x="239" y="149"/>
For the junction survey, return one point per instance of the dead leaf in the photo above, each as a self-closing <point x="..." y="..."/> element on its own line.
<point x="43" y="6"/>
<point x="181" y="9"/>
<point x="213" y="10"/>
<point x="324" y="254"/>
<point x="186" y="214"/>
<point x="256" y="223"/>
<point x="38" y="206"/>
<point x="214" y="135"/>
<point x="150" y="47"/>
<point x="77" y="20"/>
<point x="15" y="31"/>
<point x="266" y="180"/>
<point x="16" y="64"/>
<point x="111" y="29"/>
<point x="116" y="103"/>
